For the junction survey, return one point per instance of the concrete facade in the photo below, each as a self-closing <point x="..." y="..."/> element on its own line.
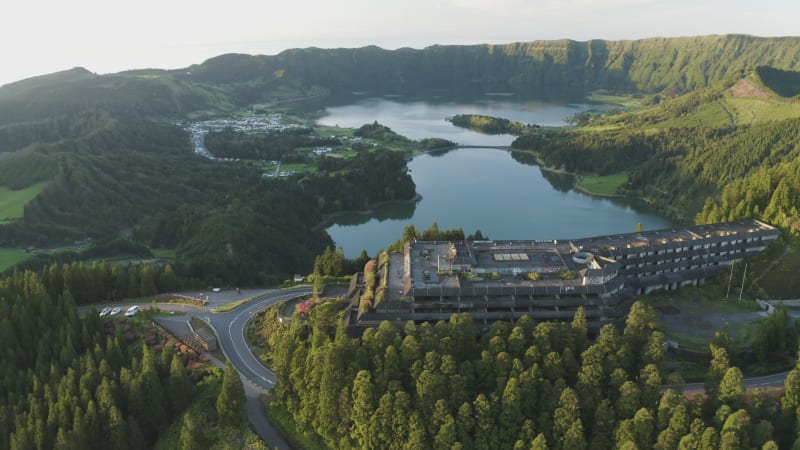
<point x="549" y="280"/>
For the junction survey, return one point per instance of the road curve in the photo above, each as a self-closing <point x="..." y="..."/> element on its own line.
<point x="230" y="328"/>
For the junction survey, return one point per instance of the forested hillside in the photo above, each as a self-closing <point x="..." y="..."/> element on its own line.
<point x="108" y="177"/>
<point x="114" y="164"/>
<point x="546" y="68"/>
<point x="681" y="151"/>
<point x="718" y="133"/>
<point x="560" y="69"/>
<point x="68" y="382"/>
<point x="526" y="385"/>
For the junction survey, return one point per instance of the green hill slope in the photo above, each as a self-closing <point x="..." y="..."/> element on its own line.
<point x="781" y="83"/>
<point x="115" y="164"/>
<point x="729" y="103"/>
<point x="683" y="150"/>
<point x="563" y="69"/>
<point x="122" y="95"/>
<point x="556" y="68"/>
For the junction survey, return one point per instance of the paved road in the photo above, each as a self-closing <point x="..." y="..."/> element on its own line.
<point x="230" y="328"/>
<point x="775" y="380"/>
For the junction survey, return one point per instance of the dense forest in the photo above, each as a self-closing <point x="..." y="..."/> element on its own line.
<point x="116" y="165"/>
<point x="228" y="224"/>
<point x="677" y="156"/>
<point x="83" y="383"/>
<point x="521" y="386"/>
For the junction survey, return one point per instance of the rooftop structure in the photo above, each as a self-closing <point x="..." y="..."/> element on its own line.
<point x="550" y="279"/>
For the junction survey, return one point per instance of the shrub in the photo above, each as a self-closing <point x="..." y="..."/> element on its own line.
<point x="567" y="274"/>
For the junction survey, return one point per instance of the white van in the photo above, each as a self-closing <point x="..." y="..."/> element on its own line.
<point x="132" y="311"/>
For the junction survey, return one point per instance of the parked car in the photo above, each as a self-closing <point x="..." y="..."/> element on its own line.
<point x="105" y="311"/>
<point x="132" y="311"/>
<point x="116" y="311"/>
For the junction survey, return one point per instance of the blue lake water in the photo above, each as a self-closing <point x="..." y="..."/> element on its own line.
<point x="480" y="188"/>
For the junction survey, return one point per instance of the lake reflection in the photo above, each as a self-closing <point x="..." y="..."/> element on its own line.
<point x="489" y="190"/>
<point x="423" y="119"/>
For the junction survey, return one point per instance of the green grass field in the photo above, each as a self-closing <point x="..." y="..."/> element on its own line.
<point x="12" y="203"/>
<point x="164" y="252"/>
<point x="298" y="168"/>
<point x="754" y="110"/>
<point x="781" y="281"/>
<point x="603" y="185"/>
<point x="697" y="313"/>
<point x="11" y="256"/>
<point x="326" y="131"/>
<point x="622" y="100"/>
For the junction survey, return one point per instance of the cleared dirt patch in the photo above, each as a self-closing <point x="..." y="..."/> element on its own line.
<point x="744" y="89"/>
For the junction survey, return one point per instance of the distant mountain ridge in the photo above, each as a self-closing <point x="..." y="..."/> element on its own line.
<point x="563" y="69"/>
<point x="538" y="67"/>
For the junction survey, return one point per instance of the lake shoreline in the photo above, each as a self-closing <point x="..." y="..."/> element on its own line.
<point x="468" y="186"/>
<point x="576" y="186"/>
<point x="327" y="220"/>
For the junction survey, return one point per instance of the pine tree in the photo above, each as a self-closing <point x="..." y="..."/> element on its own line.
<point x="180" y="386"/>
<point x="643" y="428"/>
<point x="149" y="402"/>
<point x="485" y="428"/>
<point x="540" y="443"/>
<point x="567" y="412"/>
<point x="719" y="365"/>
<point x="736" y="431"/>
<point x="580" y="330"/>
<point x="709" y="440"/>
<point x="230" y="401"/>
<point x="511" y="412"/>
<point x="629" y="400"/>
<point x="465" y="424"/>
<point x="573" y="439"/>
<point x="670" y="437"/>
<point x="731" y="388"/>
<point x="117" y="429"/>
<point x="603" y="426"/>
<point x="363" y="410"/>
<point x="189" y="434"/>
<point x="416" y="433"/>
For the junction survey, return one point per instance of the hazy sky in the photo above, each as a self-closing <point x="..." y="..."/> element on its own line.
<point x="42" y="36"/>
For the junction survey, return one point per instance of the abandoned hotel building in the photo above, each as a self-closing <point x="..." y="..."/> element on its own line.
<point x="549" y="280"/>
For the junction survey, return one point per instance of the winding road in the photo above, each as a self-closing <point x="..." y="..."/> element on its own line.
<point x="230" y="327"/>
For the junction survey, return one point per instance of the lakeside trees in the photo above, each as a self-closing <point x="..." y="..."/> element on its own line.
<point x="490" y="125"/>
<point x="679" y="168"/>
